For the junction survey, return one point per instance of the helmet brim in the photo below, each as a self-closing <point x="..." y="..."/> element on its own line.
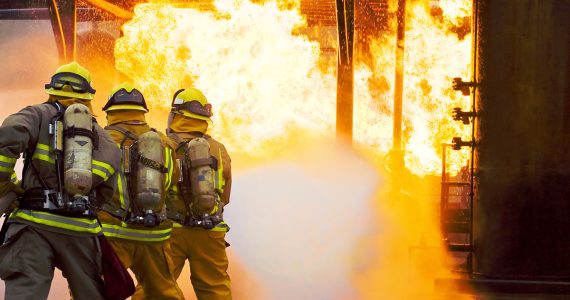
<point x="126" y="107"/>
<point x="193" y="115"/>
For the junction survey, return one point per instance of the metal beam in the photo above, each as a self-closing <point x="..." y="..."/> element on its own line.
<point x="345" y="76"/>
<point x="63" y="22"/>
<point x="397" y="155"/>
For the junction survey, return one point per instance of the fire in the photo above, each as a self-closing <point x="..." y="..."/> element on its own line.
<point x="268" y="81"/>
<point x="264" y="80"/>
<point x="261" y="79"/>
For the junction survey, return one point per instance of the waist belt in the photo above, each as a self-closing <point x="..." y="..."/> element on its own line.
<point x="115" y="211"/>
<point x="47" y="200"/>
<point x="174" y="216"/>
<point x="208" y="222"/>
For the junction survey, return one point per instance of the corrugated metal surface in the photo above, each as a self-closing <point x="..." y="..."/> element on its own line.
<point x="323" y="12"/>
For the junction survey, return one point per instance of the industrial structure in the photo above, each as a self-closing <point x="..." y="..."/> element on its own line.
<point x="517" y="217"/>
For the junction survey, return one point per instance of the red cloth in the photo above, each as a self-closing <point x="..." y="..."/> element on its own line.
<point x="118" y="282"/>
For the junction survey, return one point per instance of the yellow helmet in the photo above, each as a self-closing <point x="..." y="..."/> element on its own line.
<point x="71" y="80"/>
<point x="125" y="97"/>
<point x="191" y="103"/>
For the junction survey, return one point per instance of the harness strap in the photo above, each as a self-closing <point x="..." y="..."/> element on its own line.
<point x="127" y="134"/>
<point x="211" y="161"/>
<point x="75" y="131"/>
<point x="151" y="163"/>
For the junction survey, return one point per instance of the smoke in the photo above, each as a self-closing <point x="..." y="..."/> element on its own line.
<point x="29" y="56"/>
<point x="297" y="220"/>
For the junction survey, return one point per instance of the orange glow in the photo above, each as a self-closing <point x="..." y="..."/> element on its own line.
<point x="115" y="10"/>
<point x="264" y="80"/>
<point x="433" y="56"/>
<point x="268" y="81"/>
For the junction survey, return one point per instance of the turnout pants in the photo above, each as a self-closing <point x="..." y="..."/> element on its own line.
<point x="30" y="254"/>
<point x="152" y="266"/>
<point x="205" y="250"/>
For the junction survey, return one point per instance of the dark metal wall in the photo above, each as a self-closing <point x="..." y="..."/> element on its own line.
<point x="522" y="203"/>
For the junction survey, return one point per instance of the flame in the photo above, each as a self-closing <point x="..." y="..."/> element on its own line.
<point x="268" y="80"/>
<point x="264" y="78"/>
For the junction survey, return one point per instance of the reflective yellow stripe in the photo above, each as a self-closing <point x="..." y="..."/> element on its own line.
<point x="101" y="169"/>
<point x="43" y="152"/>
<point x="43" y="147"/>
<point x="122" y="232"/>
<point x="53" y="220"/>
<point x="220" y="173"/>
<point x="222" y="226"/>
<point x="13" y="177"/>
<point x="176" y="225"/>
<point x="100" y="174"/>
<point x="120" y="190"/>
<point x="7" y="170"/>
<point x="6" y="159"/>
<point x="7" y="163"/>
<point x="44" y="158"/>
<point x="104" y="165"/>
<point x="168" y="153"/>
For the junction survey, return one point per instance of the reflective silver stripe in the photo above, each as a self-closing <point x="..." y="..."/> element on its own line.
<point x="134" y="234"/>
<point x="69" y="223"/>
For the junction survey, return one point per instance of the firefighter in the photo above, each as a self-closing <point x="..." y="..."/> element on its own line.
<point x="70" y="166"/>
<point x="198" y="234"/>
<point x="135" y="222"/>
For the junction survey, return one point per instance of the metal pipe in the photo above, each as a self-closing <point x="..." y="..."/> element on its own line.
<point x="397" y="156"/>
<point x="345" y="76"/>
<point x="63" y="18"/>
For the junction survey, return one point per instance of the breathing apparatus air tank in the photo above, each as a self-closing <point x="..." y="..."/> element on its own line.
<point x="201" y="177"/>
<point x="149" y="184"/>
<point x="78" y="148"/>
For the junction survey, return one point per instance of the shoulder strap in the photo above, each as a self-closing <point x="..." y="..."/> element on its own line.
<point x="127" y="134"/>
<point x="180" y="142"/>
<point x="60" y="110"/>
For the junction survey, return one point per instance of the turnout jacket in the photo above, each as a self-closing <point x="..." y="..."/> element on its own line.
<point x="27" y="132"/>
<point x="113" y="214"/>
<point x="177" y="206"/>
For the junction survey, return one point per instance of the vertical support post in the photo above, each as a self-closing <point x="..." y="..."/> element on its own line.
<point x="63" y="21"/>
<point x="345" y="77"/>
<point x="444" y="191"/>
<point x="397" y="155"/>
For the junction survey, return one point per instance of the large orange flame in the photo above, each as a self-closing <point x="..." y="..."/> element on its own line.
<point x="268" y="80"/>
<point x="264" y="80"/>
